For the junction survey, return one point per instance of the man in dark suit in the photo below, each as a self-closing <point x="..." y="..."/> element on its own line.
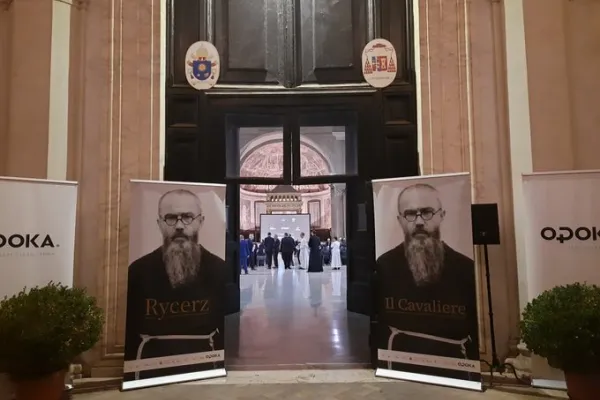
<point x="250" y="244"/>
<point x="269" y="244"/>
<point x="288" y="245"/>
<point x="276" y="249"/>
<point x="427" y="291"/>
<point x="175" y="297"/>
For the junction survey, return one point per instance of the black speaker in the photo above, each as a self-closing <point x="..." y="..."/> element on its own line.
<point x="484" y="220"/>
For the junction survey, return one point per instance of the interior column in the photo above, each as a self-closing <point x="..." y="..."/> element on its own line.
<point x="337" y="211"/>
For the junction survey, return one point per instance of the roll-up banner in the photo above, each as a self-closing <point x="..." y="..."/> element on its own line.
<point x="176" y="284"/>
<point x="37" y="238"/>
<point x="37" y="233"/>
<point x="427" y="327"/>
<point x="562" y="241"/>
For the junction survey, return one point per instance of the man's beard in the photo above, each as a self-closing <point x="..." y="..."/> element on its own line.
<point x="425" y="256"/>
<point x="182" y="260"/>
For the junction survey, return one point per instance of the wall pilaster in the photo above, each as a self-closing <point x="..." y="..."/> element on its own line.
<point x="115" y="139"/>
<point x="34" y="79"/>
<point x="28" y="88"/>
<point x="464" y="128"/>
<point x="6" y="15"/>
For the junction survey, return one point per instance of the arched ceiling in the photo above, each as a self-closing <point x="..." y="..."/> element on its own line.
<point x="266" y="161"/>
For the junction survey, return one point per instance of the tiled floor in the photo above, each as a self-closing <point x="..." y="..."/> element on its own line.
<point x="292" y="319"/>
<point x="317" y="391"/>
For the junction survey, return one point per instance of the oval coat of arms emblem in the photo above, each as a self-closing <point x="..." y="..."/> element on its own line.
<point x="202" y="65"/>
<point x="379" y="63"/>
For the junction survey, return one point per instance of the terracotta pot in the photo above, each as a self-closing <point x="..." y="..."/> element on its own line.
<point x="49" y="387"/>
<point x="583" y="386"/>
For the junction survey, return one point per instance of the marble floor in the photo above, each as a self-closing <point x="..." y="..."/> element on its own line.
<point x="313" y="385"/>
<point x="291" y="319"/>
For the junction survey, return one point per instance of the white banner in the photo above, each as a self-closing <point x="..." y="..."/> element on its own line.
<point x="176" y="283"/>
<point x="562" y="240"/>
<point x="426" y="285"/>
<point x="37" y="233"/>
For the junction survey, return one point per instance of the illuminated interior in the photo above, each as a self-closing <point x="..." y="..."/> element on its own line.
<point x="266" y="161"/>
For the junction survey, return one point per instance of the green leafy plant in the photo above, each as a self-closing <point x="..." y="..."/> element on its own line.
<point x="563" y="325"/>
<point x="42" y="330"/>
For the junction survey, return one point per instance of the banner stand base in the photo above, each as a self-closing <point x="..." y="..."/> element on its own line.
<point x="548" y="384"/>
<point x="171" y="379"/>
<point x="433" y="380"/>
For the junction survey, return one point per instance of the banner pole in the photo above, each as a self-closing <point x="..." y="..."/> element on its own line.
<point x="495" y="360"/>
<point x="495" y="364"/>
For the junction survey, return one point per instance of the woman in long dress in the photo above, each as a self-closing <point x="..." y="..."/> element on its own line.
<point x="336" y="259"/>
<point x="304" y="253"/>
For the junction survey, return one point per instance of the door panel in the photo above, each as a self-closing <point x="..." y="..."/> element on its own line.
<point x="245" y="131"/>
<point x="331" y="37"/>
<point x="250" y="37"/>
<point x="325" y="138"/>
<point x="232" y="259"/>
<point x="361" y="246"/>
<point x="181" y="155"/>
<point x="242" y="131"/>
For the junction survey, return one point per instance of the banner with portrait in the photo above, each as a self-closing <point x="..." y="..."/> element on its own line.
<point x="562" y="234"/>
<point x="176" y="284"/>
<point x="427" y="328"/>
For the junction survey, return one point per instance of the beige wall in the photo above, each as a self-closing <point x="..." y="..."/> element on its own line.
<point x="563" y="57"/>
<point x="482" y="66"/>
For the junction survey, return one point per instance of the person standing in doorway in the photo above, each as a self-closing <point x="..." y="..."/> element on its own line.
<point x="243" y="255"/>
<point x="287" y="250"/>
<point x="250" y="244"/>
<point x="276" y="248"/>
<point x="336" y="259"/>
<point x="269" y="243"/>
<point x="315" y="263"/>
<point x="326" y="251"/>
<point x="304" y="252"/>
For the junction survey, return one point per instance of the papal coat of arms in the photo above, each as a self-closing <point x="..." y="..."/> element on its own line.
<point x="202" y="65"/>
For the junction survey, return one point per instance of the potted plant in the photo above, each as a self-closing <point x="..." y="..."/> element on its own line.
<point x="563" y="325"/>
<point x="41" y="332"/>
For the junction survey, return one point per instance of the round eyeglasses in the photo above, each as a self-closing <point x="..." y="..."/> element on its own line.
<point x="173" y="219"/>
<point x="425" y="213"/>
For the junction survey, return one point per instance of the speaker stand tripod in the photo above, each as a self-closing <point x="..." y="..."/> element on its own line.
<point x="495" y="365"/>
